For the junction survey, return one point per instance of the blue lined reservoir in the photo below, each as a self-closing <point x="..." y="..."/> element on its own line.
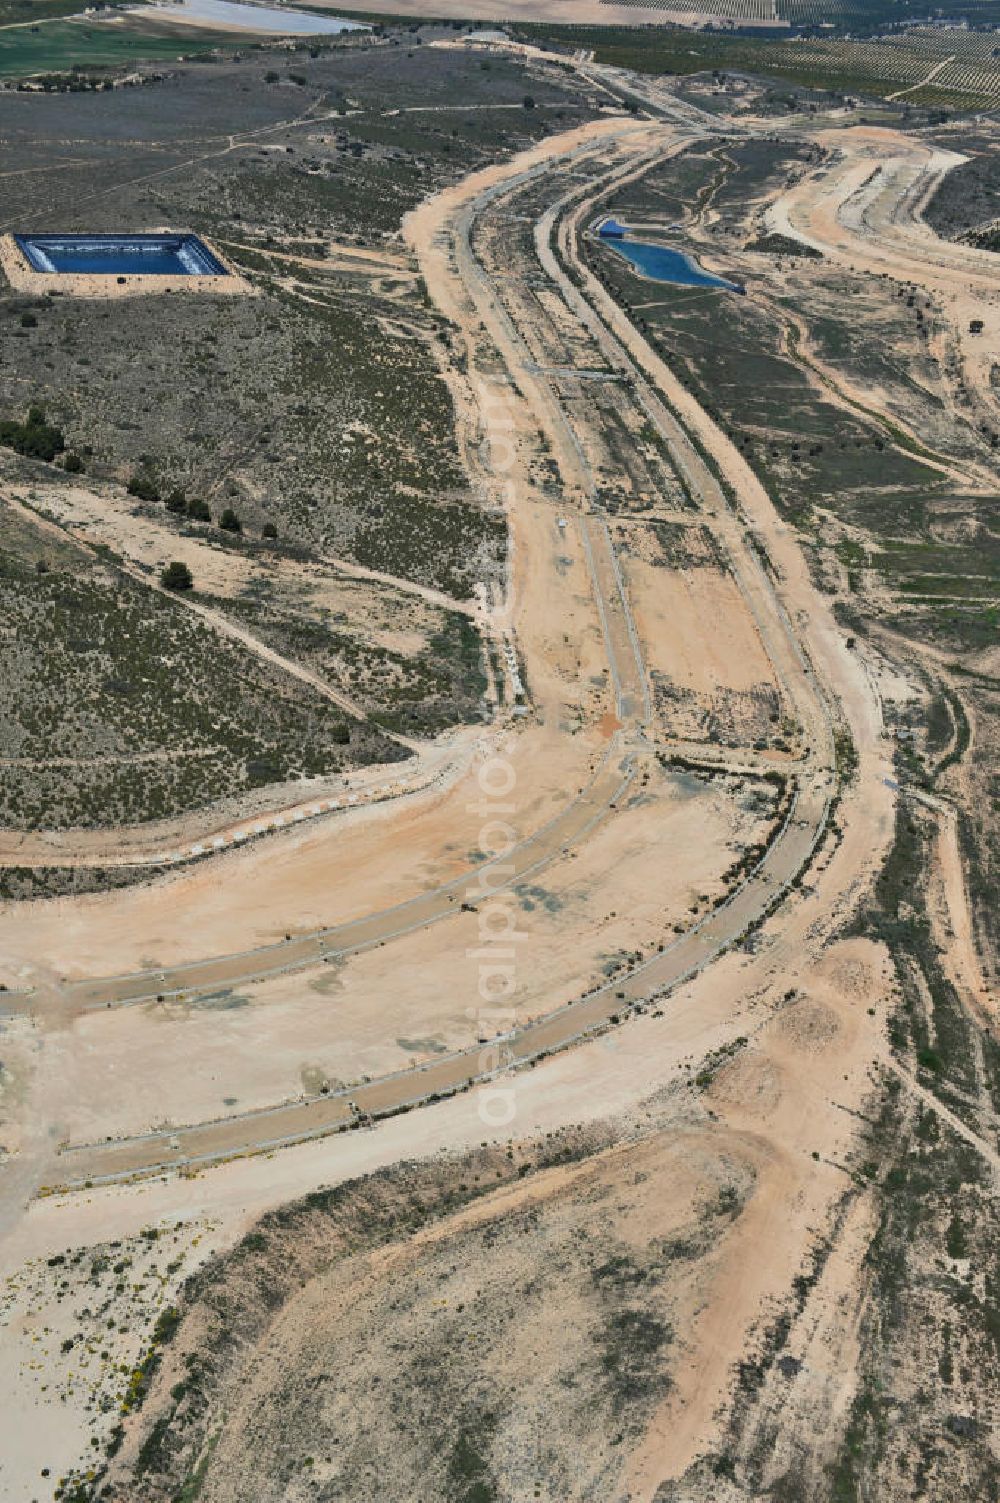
<point x="121" y="255"/>
<point x="663" y="264"/>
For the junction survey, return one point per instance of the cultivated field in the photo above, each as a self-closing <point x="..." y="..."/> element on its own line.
<point x="919" y="69"/>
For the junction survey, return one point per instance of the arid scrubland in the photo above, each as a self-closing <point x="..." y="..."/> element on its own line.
<point x="314" y="412"/>
<point x="706" y="586"/>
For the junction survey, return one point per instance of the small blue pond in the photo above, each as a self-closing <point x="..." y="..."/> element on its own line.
<point x="121" y="255"/>
<point x="665" y="265"/>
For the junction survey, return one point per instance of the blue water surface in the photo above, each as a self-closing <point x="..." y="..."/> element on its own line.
<point x="665" y="265"/>
<point x="121" y="255"/>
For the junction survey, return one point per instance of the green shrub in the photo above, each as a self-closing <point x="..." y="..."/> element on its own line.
<point x="176" y="576"/>
<point x="34" y="437"/>
<point x="144" y="487"/>
<point x="956" y="1242"/>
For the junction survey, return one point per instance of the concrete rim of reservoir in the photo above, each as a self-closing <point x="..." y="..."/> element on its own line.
<point x="23" y="257"/>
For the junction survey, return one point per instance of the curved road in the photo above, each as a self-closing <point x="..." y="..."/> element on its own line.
<point x="745" y="908"/>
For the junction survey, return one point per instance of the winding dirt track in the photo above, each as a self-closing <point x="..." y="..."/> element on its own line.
<point x="715" y="995"/>
<point x="710" y="1005"/>
<point x="865" y="210"/>
<point x="461" y="283"/>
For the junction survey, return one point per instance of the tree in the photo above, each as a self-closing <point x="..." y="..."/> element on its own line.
<point x="73" y="464"/>
<point x="34" y="437"/>
<point x="269" y="530"/>
<point x="176" y="503"/>
<point x="176" y="576"/>
<point x="229" y="521"/>
<point x="144" y="487"/>
<point x="529" y="103"/>
<point x="198" y="510"/>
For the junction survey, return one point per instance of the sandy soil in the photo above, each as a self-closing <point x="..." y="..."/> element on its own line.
<point x="55" y="1369"/>
<point x="553" y="601"/>
<point x="353" y="1019"/>
<point x="789" y="1095"/>
<point x="802" y="1000"/>
<point x="233" y="895"/>
<point x="689" y="952"/>
<point x="580" y="1087"/>
<point x="954" y="921"/>
<point x="673" y="609"/>
<point x="326" y="873"/>
<point x="864" y="211"/>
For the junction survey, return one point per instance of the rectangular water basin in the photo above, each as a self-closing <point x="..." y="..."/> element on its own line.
<point x="120" y="255"/>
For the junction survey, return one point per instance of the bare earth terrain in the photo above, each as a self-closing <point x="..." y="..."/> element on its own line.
<point x="499" y="978"/>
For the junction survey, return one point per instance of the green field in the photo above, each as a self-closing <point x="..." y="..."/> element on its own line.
<point x="868" y="17"/>
<point x="969" y="76"/>
<point x="25" y="12"/>
<point x="60" y="46"/>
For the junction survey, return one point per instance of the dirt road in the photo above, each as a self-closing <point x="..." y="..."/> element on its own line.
<point x="587" y="740"/>
<point x="758" y="894"/>
<point x="864" y="211"/>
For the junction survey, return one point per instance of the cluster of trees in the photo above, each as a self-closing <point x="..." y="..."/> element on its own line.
<point x="34" y="437"/>
<point x="192" y="507"/>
